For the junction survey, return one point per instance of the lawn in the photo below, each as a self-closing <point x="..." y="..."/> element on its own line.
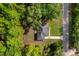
<point x="55" y="27"/>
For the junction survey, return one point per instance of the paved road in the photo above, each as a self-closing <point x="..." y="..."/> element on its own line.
<point x="65" y="29"/>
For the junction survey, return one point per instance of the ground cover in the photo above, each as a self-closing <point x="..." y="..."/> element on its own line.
<point x="55" y="27"/>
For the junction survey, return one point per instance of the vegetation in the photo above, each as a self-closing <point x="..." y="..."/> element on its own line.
<point x="10" y="30"/>
<point x="17" y="19"/>
<point x="74" y="26"/>
<point x="53" y="49"/>
<point x="55" y="27"/>
<point x="32" y="50"/>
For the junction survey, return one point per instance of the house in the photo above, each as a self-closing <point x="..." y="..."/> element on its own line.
<point x="42" y="32"/>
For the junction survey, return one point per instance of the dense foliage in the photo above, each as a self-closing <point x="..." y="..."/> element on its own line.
<point x="53" y="49"/>
<point x="17" y="18"/>
<point x="35" y="13"/>
<point x="74" y="26"/>
<point x="32" y="50"/>
<point x="10" y="30"/>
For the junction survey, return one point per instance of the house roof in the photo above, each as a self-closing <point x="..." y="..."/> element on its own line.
<point x="42" y="32"/>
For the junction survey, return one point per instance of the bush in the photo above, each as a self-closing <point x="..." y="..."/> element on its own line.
<point x="32" y="50"/>
<point x="53" y="49"/>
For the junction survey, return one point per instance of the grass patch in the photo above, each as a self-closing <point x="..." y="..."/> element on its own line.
<point x="55" y="27"/>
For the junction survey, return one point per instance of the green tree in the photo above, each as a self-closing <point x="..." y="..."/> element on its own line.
<point x="35" y="13"/>
<point x="33" y="50"/>
<point x="74" y="26"/>
<point x="53" y="49"/>
<point x="10" y="29"/>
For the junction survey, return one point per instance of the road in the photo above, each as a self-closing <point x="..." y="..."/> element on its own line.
<point x="65" y="29"/>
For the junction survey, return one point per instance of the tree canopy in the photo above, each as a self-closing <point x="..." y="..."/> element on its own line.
<point x="74" y="26"/>
<point x="15" y="17"/>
